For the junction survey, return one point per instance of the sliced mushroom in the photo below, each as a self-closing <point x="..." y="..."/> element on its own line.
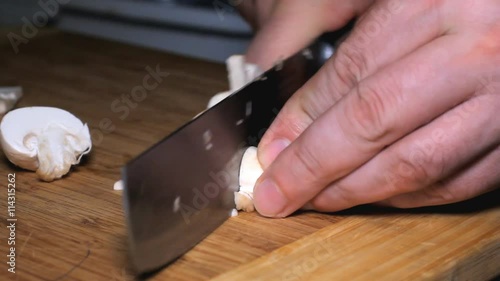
<point x="118" y="185"/>
<point x="240" y="73"/>
<point x="47" y="140"/>
<point x="218" y="98"/>
<point x="250" y="171"/>
<point x="9" y="97"/>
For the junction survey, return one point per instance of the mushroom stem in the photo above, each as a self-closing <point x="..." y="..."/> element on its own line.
<point x="58" y="150"/>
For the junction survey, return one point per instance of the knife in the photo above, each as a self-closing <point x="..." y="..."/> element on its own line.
<point x="181" y="189"/>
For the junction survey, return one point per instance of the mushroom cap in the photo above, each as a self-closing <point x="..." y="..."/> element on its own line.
<point x="20" y="129"/>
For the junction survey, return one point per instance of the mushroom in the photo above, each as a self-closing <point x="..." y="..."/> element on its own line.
<point x="47" y="140"/>
<point x="250" y="171"/>
<point x="118" y="185"/>
<point x="218" y="98"/>
<point x="9" y="97"/>
<point x="240" y="73"/>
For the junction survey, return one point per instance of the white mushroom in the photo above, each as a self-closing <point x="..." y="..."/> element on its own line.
<point x="233" y="213"/>
<point x="240" y="73"/>
<point x="250" y="171"/>
<point x="9" y="97"/>
<point x="218" y="98"/>
<point x="118" y="185"/>
<point x="236" y="73"/>
<point x="47" y="140"/>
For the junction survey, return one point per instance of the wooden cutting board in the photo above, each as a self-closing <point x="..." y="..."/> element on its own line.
<point x="73" y="228"/>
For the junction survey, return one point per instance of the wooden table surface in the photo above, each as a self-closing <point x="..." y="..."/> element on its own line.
<point x="73" y="228"/>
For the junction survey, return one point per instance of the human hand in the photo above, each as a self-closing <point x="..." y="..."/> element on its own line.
<point x="286" y="27"/>
<point x="405" y="114"/>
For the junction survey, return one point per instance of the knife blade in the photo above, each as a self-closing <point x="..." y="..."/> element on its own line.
<point x="181" y="189"/>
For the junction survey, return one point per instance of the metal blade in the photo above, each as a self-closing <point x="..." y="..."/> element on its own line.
<point x="182" y="189"/>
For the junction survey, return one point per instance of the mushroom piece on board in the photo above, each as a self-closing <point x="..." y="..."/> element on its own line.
<point x="47" y="140"/>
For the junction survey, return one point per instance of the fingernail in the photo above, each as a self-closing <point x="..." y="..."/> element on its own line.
<point x="272" y="150"/>
<point x="268" y="199"/>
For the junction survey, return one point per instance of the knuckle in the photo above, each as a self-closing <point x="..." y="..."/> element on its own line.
<point x="417" y="168"/>
<point x="350" y="64"/>
<point x="289" y="126"/>
<point x="366" y="112"/>
<point x="410" y="171"/>
<point x="314" y="101"/>
<point x="489" y="44"/>
<point x="348" y="195"/>
<point x="481" y="15"/>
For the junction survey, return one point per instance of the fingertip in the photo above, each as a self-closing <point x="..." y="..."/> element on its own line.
<point x="269" y="201"/>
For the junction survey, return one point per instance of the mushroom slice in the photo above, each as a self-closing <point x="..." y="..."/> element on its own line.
<point x="250" y="171"/>
<point x="9" y="97"/>
<point x="118" y="185"/>
<point x="47" y="140"/>
<point x="218" y="98"/>
<point x="240" y="73"/>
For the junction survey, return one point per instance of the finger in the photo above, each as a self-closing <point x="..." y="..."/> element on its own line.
<point x="421" y="159"/>
<point x="377" y="40"/>
<point x="292" y="26"/>
<point x="480" y="177"/>
<point x="380" y="110"/>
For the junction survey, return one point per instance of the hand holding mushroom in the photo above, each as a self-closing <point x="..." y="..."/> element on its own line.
<point x="406" y="117"/>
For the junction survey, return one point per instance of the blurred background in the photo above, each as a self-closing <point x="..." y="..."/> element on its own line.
<point x="207" y="29"/>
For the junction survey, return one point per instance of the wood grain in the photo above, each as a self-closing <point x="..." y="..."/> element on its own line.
<point x="73" y="228"/>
